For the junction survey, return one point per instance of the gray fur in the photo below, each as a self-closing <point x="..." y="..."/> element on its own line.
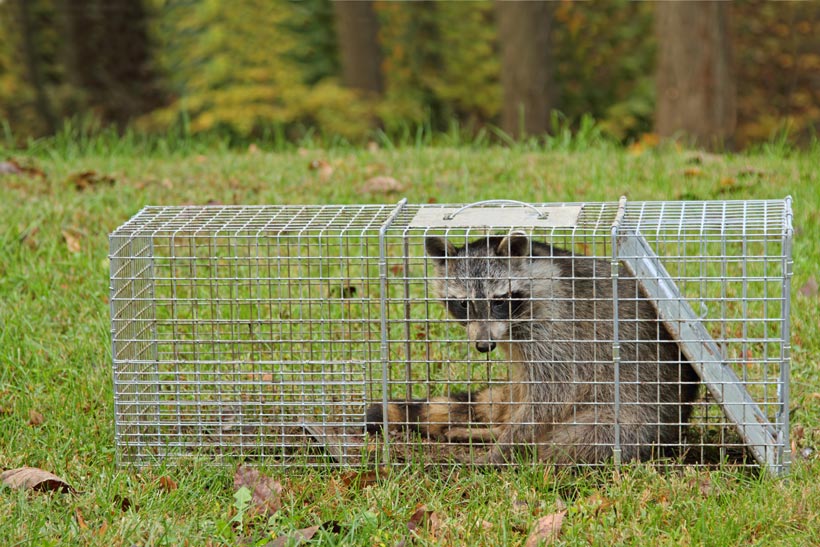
<point x="559" y="344"/>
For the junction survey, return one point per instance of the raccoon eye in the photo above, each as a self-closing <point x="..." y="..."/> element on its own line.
<point x="501" y="305"/>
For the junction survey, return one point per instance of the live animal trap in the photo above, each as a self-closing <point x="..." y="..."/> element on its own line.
<point x="575" y="333"/>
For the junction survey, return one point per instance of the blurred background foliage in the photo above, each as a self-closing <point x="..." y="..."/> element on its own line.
<point x="249" y="68"/>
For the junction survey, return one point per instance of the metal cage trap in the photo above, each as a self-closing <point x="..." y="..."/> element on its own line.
<point x="571" y="333"/>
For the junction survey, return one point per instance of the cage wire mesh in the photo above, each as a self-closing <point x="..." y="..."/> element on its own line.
<point x="572" y="333"/>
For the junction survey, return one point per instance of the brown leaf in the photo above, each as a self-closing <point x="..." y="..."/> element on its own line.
<point x="72" y="241"/>
<point x="265" y="491"/>
<point x="323" y="167"/>
<point x="546" y="530"/>
<point x="29" y="238"/>
<point x="357" y="479"/>
<point x="123" y="503"/>
<point x="294" y="538"/>
<point x="305" y="534"/>
<point x="80" y="520"/>
<point x="809" y="288"/>
<point x="372" y="146"/>
<point x="85" y="180"/>
<point x="422" y="519"/>
<point x="253" y="149"/>
<point x="32" y="478"/>
<point x="167" y="483"/>
<point x="692" y="172"/>
<point x="35" y="418"/>
<point x="382" y="185"/>
<point x="14" y="167"/>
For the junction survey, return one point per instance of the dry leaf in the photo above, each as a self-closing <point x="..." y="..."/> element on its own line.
<point x="692" y="172"/>
<point x="89" y="179"/>
<point x="294" y="538"/>
<point x="422" y="519"/>
<point x="35" y="418"/>
<point x="305" y="534"/>
<point x="80" y="520"/>
<point x="253" y="149"/>
<point x="9" y="168"/>
<point x="372" y="146"/>
<point x="324" y="168"/>
<point x="809" y="288"/>
<point x="167" y="483"/>
<point x="265" y="491"/>
<point x="14" y="167"/>
<point x="29" y="239"/>
<point x="32" y="478"/>
<point x="363" y="480"/>
<point x="72" y="241"/>
<point x="382" y="185"/>
<point x="546" y="530"/>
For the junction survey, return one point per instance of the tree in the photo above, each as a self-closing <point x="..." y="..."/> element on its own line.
<point x="109" y="57"/>
<point x="524" y="35"/>
<point x="357" y="27"/>
<point x="694" y="80"/>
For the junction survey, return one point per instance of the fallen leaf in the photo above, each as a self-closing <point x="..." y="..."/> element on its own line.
<point x="14" y="167"/>
<point x="201" y="159"/>
<point x="305" y="534"/>
<point x="253" y="149"/>
<point x="167" y="483"/>
<point x="324" y="168"/>
<point x="363" y="480"/>
<point x="9" y="168"/>
<point x="29" y="239"/>
<point x="546" y="530"/>
<point x="80" y="520"/>
<point x="372" y="146"/>
<point x="35" y="418"/>
<point x="809" y="288"/>
<point x="265" y="491"/>
<point x="382" y="185"/>
<point x="89" y="179"/>
<point x="32" y="478"/>
<point x="72" y="241"/>
<point x="103" y="528"/>
<point x="422" y="519"/>
<point x="124" y="503"/>
<point x="692" y="172"/>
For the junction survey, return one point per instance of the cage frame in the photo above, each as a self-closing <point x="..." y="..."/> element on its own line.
<point x="768" y="442"/>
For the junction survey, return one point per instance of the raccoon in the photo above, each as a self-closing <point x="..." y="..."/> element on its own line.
<point x="551" y="312"/>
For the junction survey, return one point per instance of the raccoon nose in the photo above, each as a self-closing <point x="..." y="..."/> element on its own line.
<point x="485" y="346"/>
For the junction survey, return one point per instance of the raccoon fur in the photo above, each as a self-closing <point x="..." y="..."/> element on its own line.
<point x="551" y="312"/>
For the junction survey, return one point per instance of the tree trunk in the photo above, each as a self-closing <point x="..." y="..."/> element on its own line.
<point x="695" y="85"/>
<point x="523" y="33"/>
<point x="33" y="67"/>
<point x="110" y="57"/>
<point x="357" y="28"/>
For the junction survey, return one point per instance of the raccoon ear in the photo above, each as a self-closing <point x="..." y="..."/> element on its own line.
<point x="439" y="248"/>
<point x="515" y="244"/>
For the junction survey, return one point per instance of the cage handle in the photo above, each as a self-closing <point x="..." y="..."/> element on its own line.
<point x="539" y="214"/>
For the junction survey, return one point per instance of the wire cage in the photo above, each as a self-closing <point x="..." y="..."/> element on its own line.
<point x="496" y="332"/>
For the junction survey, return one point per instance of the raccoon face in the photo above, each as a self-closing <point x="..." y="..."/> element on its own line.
<point x="486" y="284"/>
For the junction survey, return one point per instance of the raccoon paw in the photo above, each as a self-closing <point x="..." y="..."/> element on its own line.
<point x="374" y="419"/>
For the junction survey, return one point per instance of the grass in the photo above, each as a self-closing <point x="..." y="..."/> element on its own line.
<point x="55" y="352"/>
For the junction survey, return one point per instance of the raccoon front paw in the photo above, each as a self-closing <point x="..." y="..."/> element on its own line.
<point x="374" y="419"/>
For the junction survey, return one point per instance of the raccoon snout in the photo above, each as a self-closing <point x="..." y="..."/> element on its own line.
<point x="485" y="346"/>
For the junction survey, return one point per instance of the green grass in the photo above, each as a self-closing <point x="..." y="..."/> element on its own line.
<point x="55" y="352"/>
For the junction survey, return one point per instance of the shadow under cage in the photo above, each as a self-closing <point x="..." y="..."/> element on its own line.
<point x="491" y="333"/>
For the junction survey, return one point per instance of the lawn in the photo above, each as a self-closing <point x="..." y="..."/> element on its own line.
<point x="56" y="407"/>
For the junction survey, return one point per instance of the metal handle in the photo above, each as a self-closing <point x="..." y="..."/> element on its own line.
<point x="538" y="213"/>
